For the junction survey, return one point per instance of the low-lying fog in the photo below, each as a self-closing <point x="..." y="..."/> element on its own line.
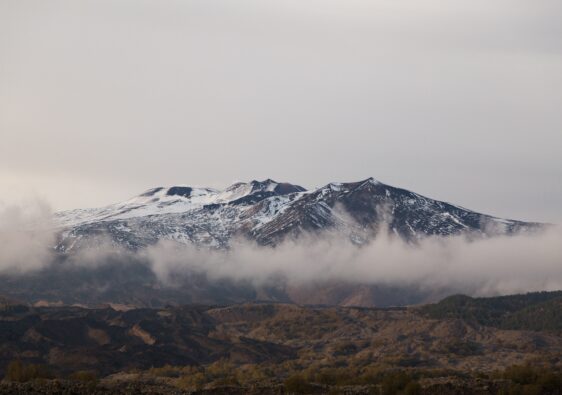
<point x="497" y="265"/>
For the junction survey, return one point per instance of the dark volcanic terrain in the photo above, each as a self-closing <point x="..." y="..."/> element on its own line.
<point x="267" y="345"/>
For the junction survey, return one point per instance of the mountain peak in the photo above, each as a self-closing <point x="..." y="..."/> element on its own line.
<point x="346" y="186"/>
<point x="269" y="211"/>
<point x="179" y="191"/>
<point x="261" y="186"/>
<point x="268" y="185"/>
<point x="373" y="181"/>
<point x="269" y="181"/>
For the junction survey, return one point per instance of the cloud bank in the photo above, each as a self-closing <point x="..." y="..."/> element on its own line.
<point x="498" y="265"/>
<point x="26" y="236"/>
<point x="475" y="266"/>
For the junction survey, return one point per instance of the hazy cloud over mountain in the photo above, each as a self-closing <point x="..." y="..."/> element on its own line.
<point x="475" y="266"/>
<point x="26" y="237"/>
<point x="500" y="265"/>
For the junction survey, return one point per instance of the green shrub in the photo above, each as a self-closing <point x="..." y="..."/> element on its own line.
<point x="521" y="374"/>
<point x="297" y="384"/>
<point x="20" y="372"/>
<point x="164" y="371"/>
<point x="412" y="388"/>
<point x="529" y="380"/>
<point x="194" y="381"/>
<point x="393" y="383"/>
<point x="550" y="382"/>
<point x="85" y="376"/>
<point x="344" y="349"/>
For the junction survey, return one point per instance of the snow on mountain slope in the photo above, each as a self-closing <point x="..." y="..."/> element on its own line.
<point x="268" y="212"/>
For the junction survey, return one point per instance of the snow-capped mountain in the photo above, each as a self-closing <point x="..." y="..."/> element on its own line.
<point x="269" y="211"/>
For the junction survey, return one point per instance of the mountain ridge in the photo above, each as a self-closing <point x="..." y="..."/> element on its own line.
<point x="150" y="265"/>
<point x="268" y="212"/>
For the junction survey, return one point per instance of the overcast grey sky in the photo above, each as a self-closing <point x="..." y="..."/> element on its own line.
<point x="457" y="100"/>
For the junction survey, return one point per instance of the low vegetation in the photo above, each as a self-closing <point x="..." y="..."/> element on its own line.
<point x="281" y="349"/>
<point x="537" y="311"/>
<point x="224" y="377"/>
<point x="20" y="372"/>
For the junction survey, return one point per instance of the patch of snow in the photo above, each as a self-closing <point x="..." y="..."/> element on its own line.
<point x="455" y="219"/>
